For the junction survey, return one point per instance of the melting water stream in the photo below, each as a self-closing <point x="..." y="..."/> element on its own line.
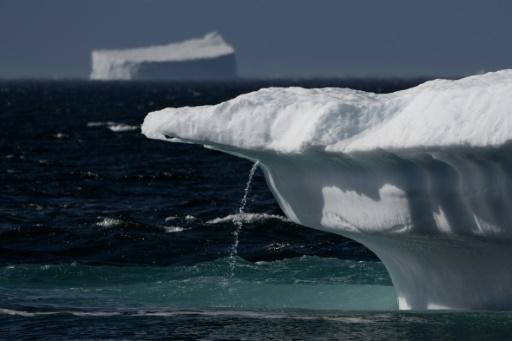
<point x="238" y="222"/>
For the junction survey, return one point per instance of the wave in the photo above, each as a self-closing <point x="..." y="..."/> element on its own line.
<point x="26" y="313"/>
<point x="115" y="127"/>
<point x="110" y="222"/>
<point x="264" y="315"/>
<point x="60" y="135"/>
<point x="173" y="229"/>
<point x="170" y="218"/>
<point x="98" y="124"/>
<point x="247" y="218"/>
<point x="121" y="127"/>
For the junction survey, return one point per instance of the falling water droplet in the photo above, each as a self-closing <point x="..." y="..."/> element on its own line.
<point x="238" y="222"/>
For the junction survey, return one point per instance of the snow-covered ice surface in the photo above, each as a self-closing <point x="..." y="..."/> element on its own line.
<point x="125" y="63"/>
<point x="473" y="111"/>
<point x="422" y="176"/>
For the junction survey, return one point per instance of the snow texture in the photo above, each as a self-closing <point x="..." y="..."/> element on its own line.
<point x="475" y="111"/>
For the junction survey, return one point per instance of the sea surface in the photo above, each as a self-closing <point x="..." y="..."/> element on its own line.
<point x="105" y="234"/>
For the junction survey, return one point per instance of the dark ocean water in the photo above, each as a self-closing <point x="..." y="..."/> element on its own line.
<point x="105" y="234"/>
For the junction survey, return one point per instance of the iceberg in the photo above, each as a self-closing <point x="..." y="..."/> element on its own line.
<point x="209" y="57"/>
<point x="422" y="177"/>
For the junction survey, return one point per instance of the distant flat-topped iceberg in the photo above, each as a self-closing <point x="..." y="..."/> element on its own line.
<point x="204" y="58"/>
<point x="422" y="177"/>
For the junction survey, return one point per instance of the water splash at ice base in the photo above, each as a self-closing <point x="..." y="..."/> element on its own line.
<point x="422" y="177"/>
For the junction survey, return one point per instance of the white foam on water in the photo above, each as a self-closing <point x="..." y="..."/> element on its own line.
<point x="247" y="218"/>
<point x="99" y="124"/>
<point x="265" y="315"/>
<point x="121" y="128"/>
<point x="116" y="127"/>
<point x="109" y="222"/>
<point x="170" y="218"/>
<point x="24" y="313"/>
<point x="173" y="229"/>
<point x="60" y="135"/>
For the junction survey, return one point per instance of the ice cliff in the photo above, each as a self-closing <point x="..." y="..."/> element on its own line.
<point x="422" y="177"/>
<point x="204" y="58"/>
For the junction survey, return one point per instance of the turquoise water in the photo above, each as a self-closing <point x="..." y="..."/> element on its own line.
<point x="298" y="283"/>
<point x="299" y="298"/>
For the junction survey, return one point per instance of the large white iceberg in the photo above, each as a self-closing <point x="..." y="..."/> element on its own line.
<point x="422" y="176"/>
<point x="209" y="57"/>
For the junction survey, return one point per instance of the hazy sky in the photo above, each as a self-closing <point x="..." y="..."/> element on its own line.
<point x="54" y="38"/>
